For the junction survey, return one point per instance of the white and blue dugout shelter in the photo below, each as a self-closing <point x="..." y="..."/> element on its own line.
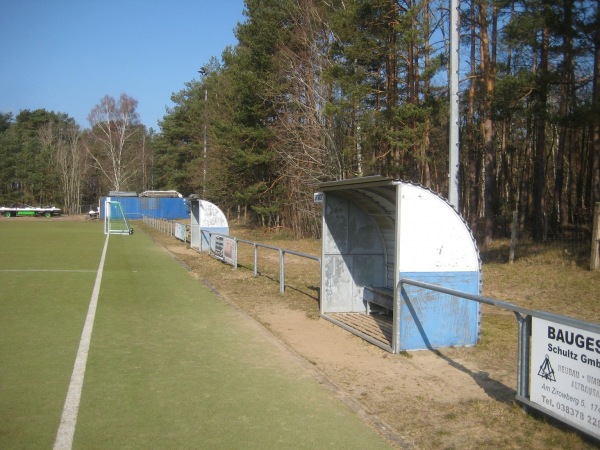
<point x="377" y="230"/>
<point x="205" y="217"/>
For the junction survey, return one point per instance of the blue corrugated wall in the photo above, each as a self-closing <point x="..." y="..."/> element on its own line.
<point x="137" y="207"/>
<point x="429" y="319"/>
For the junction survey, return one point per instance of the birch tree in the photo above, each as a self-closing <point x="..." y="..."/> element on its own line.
<point x="68" y="159"/>
<point x="114" y="128"/>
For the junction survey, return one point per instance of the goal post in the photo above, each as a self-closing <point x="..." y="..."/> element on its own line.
<point x="115" y="220"/>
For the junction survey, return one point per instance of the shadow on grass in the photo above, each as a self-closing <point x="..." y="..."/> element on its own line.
<point x="491" y="387"/>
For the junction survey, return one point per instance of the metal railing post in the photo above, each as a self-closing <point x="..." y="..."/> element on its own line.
<point x="255" y="260"/>
<point x="524" y="360"/>
<point x="235" y="241"/>
<point x="281" y="271"/>
<point x="396" y="319"/>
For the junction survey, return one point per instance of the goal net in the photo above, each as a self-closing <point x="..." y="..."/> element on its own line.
<point x="115" y="220"/>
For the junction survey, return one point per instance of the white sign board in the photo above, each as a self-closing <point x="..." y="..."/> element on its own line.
<point x="565" y="373"/>
<point x="225" y="249"/>
<point x="180" y="231"/>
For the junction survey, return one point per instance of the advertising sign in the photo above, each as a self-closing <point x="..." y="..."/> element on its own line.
<point x="180" y="231"/>
<point x="565" y="373"/>
<point x="225" y="249"/>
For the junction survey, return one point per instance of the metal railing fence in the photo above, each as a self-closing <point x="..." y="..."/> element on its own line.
<point x="168" y="227"/>
<point x="256" y="245"/>
<point x="524" y="318"/>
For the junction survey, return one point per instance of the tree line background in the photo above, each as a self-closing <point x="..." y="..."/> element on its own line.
<point x="324" y="90"/>
<point x="47" y="159"/>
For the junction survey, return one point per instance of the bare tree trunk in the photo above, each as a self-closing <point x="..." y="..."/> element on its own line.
<point x="596" y="105"/>
<point x="565" y="133"/>
<point x="540" y="138"/>
<point x="425" y="171"/>
<point x="488" y="71"/>
<point x="391" y="82"/>
<point x="473" y="147"/>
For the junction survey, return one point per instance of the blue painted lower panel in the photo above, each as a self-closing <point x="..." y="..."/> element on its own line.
<point x="429" y="319"/>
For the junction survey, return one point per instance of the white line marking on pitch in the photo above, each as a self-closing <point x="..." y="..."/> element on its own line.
<point x="66" y="429"/>
<point x="48" y="270"/>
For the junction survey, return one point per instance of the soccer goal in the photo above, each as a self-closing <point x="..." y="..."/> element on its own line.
<point x="115" y="220"/>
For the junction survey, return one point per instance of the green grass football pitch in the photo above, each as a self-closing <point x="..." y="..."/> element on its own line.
<point x="170" y="365"/>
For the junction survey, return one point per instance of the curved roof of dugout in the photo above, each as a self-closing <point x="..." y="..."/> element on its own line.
<point x="208" y="215"/>
<point x="427" y="230"/>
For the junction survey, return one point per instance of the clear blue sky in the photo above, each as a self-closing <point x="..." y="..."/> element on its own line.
<point x="65" y="55"/>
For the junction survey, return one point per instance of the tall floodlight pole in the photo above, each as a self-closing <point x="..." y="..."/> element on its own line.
<point x="204" y="162"/>
<point x="202" y="72"/>
<point x="453" y="197"/>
